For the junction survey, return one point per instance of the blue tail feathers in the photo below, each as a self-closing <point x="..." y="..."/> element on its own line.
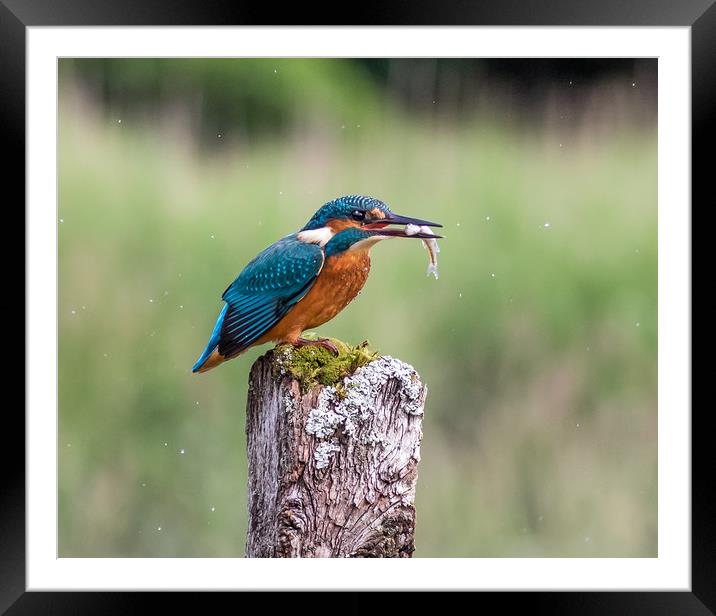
<point x="213" y="341"/>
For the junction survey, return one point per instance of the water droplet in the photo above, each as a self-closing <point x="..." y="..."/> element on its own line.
<point x="633" y="84"/>
<point x="458" y="224"/>
<point x="62" y="220"/>
<point x="219" y="135"/>
<point x="151" y="301"/>
<point x="144" y="485"/>
<point x="119" y="121"/>
<point x="213" y="508"/>
<point x="570" y="83"/>
<point x="487" y="218"/>
<point x="165" y="444"/>
<point x="637" y="323"/>
<point x="69" y="444"/>
<point x="181" y="306"/>
<point x="560" y="145"/>
<point x="493" y="275"/>
<point x="547" y="225"/>
<point x="459" y="294"/>
<point x="105" y="355"/>
<point x="74" y="312"/>
<point x="212" y="236"/>
<point x="275" y="70"/>
<point x="181" y="451"/>
<point x="578" y="425"/>
<point x="159" y="528"/>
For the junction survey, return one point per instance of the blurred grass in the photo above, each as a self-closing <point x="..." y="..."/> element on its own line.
<point x="538" y="342"/>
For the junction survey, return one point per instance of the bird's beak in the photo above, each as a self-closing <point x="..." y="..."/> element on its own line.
<point x="396" y="219"/>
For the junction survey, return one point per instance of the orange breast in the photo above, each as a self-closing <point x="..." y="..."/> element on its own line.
<point x="339" y="282"/>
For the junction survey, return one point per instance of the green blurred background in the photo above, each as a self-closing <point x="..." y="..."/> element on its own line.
<point x="538" y="342"/>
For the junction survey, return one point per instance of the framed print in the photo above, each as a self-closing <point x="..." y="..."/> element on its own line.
<point x="521" y="422"/>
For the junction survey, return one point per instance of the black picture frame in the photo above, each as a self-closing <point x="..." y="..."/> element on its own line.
<point x="17" y="15"/>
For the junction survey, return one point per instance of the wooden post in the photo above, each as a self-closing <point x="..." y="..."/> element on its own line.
<point x="332" y="471"/>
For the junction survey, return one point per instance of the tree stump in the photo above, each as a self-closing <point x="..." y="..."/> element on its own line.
<point x="332" y="470"/>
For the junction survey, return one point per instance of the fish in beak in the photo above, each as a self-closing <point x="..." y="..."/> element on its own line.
<point x="414" y="227"/>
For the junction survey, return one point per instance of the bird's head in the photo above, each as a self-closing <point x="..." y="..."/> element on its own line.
<point x="367" y="219"/>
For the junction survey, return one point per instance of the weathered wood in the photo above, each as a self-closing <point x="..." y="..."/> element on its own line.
<point x="332" y="472"/>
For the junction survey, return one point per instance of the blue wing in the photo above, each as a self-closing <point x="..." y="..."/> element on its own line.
<point x="266" y="290"/>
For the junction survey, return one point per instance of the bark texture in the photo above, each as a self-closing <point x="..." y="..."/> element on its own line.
<point x="332" y="472"/>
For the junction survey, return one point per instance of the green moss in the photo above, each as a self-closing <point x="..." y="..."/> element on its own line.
<point x="314" y="365"/>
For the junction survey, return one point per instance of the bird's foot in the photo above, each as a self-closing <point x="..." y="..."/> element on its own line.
<point x="322" y="342"/>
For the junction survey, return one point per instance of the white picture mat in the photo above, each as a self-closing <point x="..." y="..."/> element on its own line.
<point x="670" y="571"/>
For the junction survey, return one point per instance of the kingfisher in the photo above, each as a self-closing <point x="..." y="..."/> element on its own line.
<point x="304" y="279"/>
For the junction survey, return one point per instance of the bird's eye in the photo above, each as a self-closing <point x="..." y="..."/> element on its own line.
<point x="358" y="215"/>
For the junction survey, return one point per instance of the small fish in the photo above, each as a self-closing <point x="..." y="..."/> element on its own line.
<point x="430" y="244"/>
<point x="433" y="250"/>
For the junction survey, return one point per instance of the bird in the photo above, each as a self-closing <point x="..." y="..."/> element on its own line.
<point x="304" y="279"/>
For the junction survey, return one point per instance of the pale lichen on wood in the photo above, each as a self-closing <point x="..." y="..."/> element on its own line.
<point x="333" y="468"/>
